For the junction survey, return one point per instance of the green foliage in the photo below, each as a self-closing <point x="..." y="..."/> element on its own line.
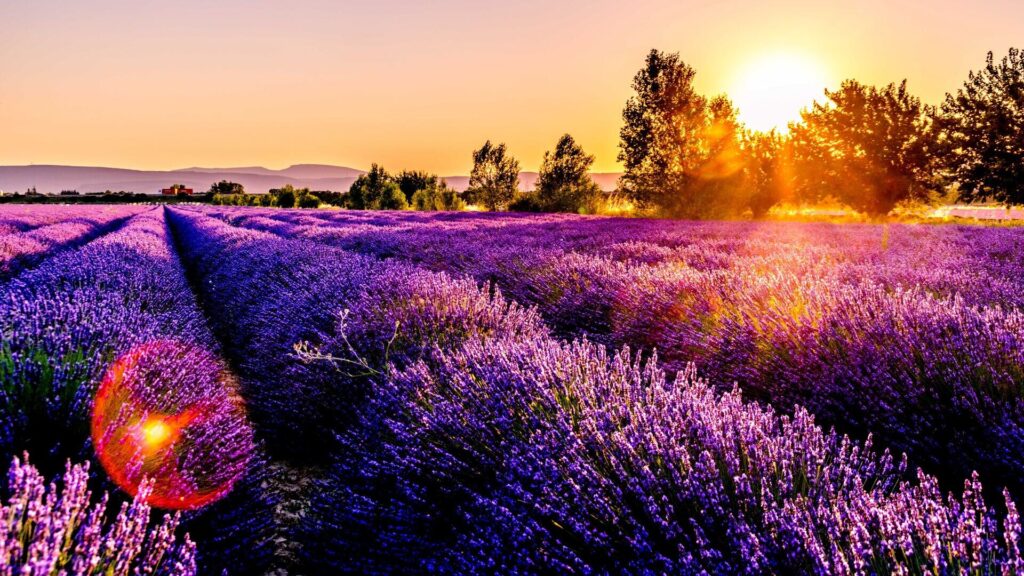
<point x="305" y="199"/>
<point x="527" y="202"/>
<point x="494" y="180"/>
<point x="564" y="183"/>
<point x="982" y="132"/>
<point x="680" y="150"/>
<point x="391" y="199"/>
<point x="284" y="197"/>
<point x="226" y="187"/>
<point x="717" y="188"/>
<point x="438" y="197"/>
<point x="241" y="199"/>
<point x="412" y="181"/>
<point x="376" y="190"/>
<point x="46" y="391"/>
<point x="868" y="147"/>
<point x="659" y="141"/>
<point x="330" y="197"/>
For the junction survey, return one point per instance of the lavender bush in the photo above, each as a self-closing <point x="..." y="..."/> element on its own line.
<point x="271" y="295"/>
<point x="32" y="240"/>
<point x="66" y="322"/>
<point x="912" y="334"/>
<point x="61" y="529"/>
<point x="455" y="393"/>
<point x="504" y="454"/>
<point x="539" y="456"/>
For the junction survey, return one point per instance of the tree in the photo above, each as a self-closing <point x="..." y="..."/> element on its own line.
<point x="375" y="190"/>
<point x="680" y="150"/>
<point x="226" y="187"/>
<point x="982" y="132"/>
<point x="438" y="197"/>
<point x="564" y="183"/>
<point x="306" y="199"/>
<point x="237" y="199"/>
<point x="412" y="181"/>
<point x="494" y="180"/>
<point x="717" y="188"/>
<point x="769" y="173"/>
<point x="330" y="197"/>
<point x="284" y="197"/>
<point x="659" y="139"/>
<point x="391" y="199"/>
<point x="869" y="147"/>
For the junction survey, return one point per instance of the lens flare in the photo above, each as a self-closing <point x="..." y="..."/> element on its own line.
<point x="169" y="411"/>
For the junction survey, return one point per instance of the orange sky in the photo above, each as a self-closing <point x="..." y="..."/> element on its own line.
<point x="414" y="84"/>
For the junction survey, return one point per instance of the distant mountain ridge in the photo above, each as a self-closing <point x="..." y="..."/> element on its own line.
<point x="47" y="178"/>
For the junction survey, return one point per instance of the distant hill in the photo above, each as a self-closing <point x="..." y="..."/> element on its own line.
<point x="49" y="178"/>
<point x="54" y="178"/>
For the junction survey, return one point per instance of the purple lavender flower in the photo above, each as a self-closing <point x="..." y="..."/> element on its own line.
<point x="59" y="528"/>
<point x="916" y="340"/>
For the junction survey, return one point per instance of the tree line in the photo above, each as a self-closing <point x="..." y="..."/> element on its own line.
<point x="563" y="185"/>
<point x="869" y="147"/>
<point x="687" y="155"/>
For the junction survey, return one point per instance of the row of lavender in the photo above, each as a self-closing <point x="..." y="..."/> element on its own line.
<point x="913" y="334"/>
<point x="21" y="218"/>
<point x="466" y="438"/>
<point x="27" y="239"/>
<point x="65" y="324"/>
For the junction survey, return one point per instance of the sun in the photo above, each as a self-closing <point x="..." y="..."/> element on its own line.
<point x="771" y="91"/>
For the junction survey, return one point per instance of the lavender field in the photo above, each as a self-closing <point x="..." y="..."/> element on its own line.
<point x="324" y="392"/>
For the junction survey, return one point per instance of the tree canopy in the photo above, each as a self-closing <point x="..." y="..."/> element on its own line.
<point x="226" y="187"/>
<point x="494" y="180"/>
<point x="769" y="170"/>
<point x="376" y="190"/>
<point x="687" y="155"/>
<point x="564" y="183"/>
<point x="680" y="150"/>
<point x="437" y="196"/>
<point x="412" y="181"/>
<point x="867" y="146"/>
<point x="982" y="132"/>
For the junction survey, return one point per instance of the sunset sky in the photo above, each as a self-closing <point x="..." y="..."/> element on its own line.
<point x="416" y="84"/>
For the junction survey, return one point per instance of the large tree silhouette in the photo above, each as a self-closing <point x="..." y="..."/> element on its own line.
<point x="494" y="180"/>
<point x="412" y="181"/>
<point x="869" y="147"/>
<point x="376" y="190"/>
<point x="982" y="132"/>
<point x="680" y="150"/>
<point x="769" y="170"/>
<point x="564" y="183"/>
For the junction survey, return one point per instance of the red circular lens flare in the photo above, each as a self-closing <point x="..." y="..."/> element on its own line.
<point x="168" y="411"/>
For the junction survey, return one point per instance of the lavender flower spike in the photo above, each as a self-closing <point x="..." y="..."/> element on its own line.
<point x="58" y="529"/>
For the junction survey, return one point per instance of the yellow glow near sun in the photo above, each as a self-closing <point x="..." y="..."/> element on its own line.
<point x="155" y="434"/>
<point x="771" y="91"/>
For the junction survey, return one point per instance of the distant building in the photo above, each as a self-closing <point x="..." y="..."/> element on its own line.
<point x="175" y="190"/>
